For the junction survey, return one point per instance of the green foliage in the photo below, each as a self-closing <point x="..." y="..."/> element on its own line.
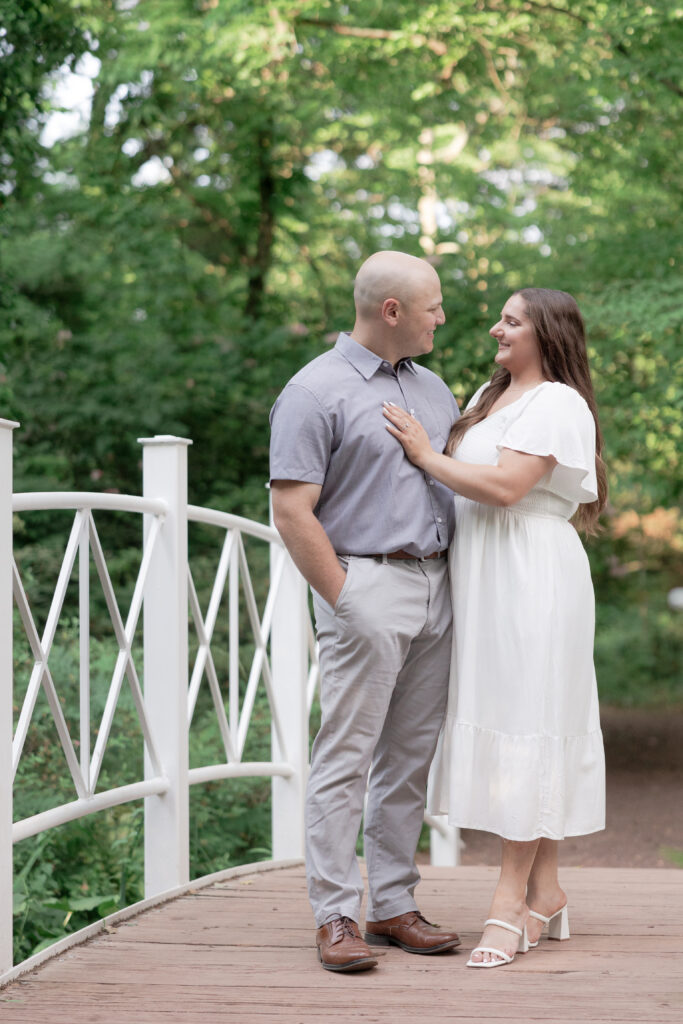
<point x="639" y="640"/>
<point x="639" y="652"/>
<point x="181" y="302"/>
<point x="635" y="333"/>
<point x="75" y="874"/>
<point x="36" y="37"/>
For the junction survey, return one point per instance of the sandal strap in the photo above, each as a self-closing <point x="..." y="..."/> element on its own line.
<point x="539" y="917"/>
<point x="490" y="949"/>
<point x="504" y="924"/>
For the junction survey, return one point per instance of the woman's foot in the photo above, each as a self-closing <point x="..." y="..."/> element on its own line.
<point x="501" y="940"/>
<point x="546" y="903"/>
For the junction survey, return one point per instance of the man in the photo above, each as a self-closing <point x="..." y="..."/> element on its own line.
<point x="369" y="532"/>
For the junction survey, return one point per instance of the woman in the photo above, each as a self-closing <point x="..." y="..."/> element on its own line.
<point x="521" y="752"/>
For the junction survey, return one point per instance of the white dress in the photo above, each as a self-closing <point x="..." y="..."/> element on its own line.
<point x="521" y="752"/>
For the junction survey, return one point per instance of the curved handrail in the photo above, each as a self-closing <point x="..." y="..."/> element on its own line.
<point x="88" y="805"/>
<point x="40" y="501"/>
<point x="240" y="770"/>
<point x="229" y="521"/>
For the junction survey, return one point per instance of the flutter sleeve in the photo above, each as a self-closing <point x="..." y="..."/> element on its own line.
<point x="477" y="395"/>
<point x="557" y="421"/>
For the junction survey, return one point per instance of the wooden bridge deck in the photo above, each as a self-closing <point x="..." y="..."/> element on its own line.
<point x="241" y="950"/>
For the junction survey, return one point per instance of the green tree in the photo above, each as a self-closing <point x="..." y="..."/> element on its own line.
<point x="180" y="256"/>
<point x="36" y="38"/>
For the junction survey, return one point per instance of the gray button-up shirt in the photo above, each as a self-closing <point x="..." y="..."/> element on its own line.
<point x="328" y="429"/>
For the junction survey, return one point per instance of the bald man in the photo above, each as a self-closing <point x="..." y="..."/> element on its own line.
<point x="370" y="531"/>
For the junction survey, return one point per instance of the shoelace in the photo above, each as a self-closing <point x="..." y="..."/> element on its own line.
<point x="347" y="927"/>
<point x="424" y="919"/>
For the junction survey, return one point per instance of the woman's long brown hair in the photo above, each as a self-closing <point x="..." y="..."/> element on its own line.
<point x="561" y="337"/>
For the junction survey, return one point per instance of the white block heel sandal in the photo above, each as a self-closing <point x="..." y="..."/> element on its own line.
<point x="558" y="924"/>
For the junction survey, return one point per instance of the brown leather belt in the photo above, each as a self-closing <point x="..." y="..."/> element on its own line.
<point x="404" y="554"/>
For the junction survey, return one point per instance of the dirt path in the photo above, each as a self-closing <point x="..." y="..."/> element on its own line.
<point x="644" y="753"/>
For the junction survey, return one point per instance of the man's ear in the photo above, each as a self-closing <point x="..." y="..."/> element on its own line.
<point x="391" y="309"/>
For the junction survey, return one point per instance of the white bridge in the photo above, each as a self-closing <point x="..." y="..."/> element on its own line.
<point x="165" y="688"/>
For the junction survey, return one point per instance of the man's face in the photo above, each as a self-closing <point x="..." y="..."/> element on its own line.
<point x="421" y="315"/>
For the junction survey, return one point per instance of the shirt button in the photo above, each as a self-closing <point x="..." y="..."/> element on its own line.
<point x="431" y="483"/>
<point x="439" y="519"/>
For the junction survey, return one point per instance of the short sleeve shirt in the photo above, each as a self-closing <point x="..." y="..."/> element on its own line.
<point x="327" y="428"/>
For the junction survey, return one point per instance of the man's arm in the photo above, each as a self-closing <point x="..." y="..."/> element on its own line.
<point x="304" y="537"/>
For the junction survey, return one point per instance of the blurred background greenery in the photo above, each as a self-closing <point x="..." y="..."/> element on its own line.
<point x="188" y="187"/>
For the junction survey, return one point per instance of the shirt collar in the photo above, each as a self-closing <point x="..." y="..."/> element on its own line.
<point x="362" y="359"/>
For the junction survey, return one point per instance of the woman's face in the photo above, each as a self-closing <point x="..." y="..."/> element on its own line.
<point x="518" y="349"/>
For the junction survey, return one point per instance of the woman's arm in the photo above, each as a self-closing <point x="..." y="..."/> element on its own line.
<point x="504" y="484"/>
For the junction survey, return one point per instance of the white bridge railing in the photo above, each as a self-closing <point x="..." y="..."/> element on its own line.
<point x="284" y="663"/>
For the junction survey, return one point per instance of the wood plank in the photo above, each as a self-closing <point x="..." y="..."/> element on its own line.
<point x="242" y="951"/>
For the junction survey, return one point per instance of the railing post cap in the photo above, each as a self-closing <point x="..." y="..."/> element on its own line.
<point x="161" y="439"/>
<point x="8" y="424"/>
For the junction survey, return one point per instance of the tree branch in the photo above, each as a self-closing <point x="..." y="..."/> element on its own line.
<point x="435" y="45"/>
<point x="259" y="264"/>
<point x="557" y="10"/>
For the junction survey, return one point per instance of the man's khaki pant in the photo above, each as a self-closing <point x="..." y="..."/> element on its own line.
<point x="384" y="657"/>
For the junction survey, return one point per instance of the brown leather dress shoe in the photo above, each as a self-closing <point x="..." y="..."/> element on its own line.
<point x="341" y="947"/>
<point x="411" y="932"/>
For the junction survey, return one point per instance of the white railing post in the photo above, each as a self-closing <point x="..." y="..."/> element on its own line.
<point x="164" y="470"/>
<point x="6" y="686"/>
<point x="444" y="842"/>
<point x="289" y="666"/>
